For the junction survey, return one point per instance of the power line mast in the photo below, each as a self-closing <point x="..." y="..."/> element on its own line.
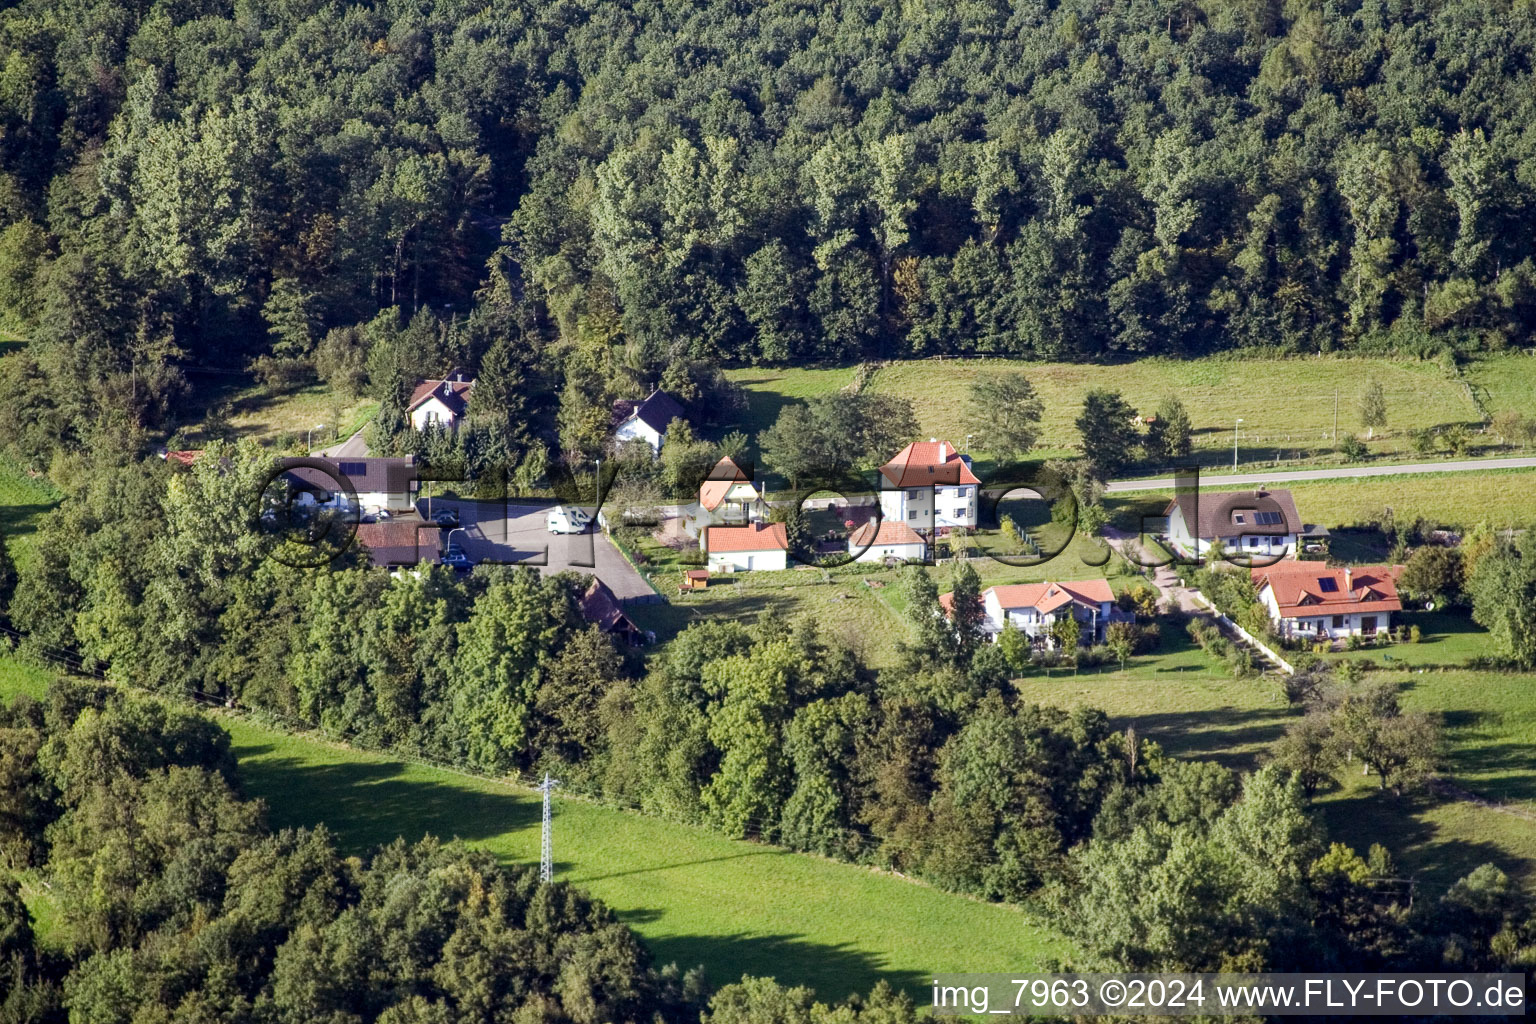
<point x="546" y="848"/>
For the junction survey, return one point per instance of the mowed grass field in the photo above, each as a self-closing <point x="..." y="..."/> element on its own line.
<point x="870" y="618"/>
<point x="1194" y="709"/>
<point x="24" y="500"/>
<point x="694" y="897"/>
<point x="275" y="413"/>
<point x="1287" y="405"/>
<point x="1498" y="498"/>
<point x="1507" y="382"/>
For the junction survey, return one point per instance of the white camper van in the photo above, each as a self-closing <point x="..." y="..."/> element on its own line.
<point x="568" y="519"/>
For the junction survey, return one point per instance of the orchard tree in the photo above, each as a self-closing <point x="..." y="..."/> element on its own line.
<point x="1006" y="412"/>
<point x="1108" y="429"/>
<point x="1373" y="406"/>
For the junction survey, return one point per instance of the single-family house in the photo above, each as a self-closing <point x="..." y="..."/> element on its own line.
<point x="930" y="487"/>
<point x="1307" y="600"/>
<point x="440" y="403"/>
<point x="1253" y="524"/>
<point x="379" y="483"/>
<point x="727" y="498"/>
<point x="887" y="538"/>
<point x="600" y="607"/>
<point x="746" y="548"/>
<point x="1034" y="608"/>
<point x="397" y="542"/>
<point x="646" y="421"/>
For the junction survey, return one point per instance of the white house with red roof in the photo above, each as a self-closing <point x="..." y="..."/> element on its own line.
<point x="1035" y="607"/>
<point x="441" y="403"/>
<point x="889" y="538"/>
<point x="929" y="486"/>
<point x="746" y="548"/>
<point x="1308" y="600"/>
<point x="728" y="497"/>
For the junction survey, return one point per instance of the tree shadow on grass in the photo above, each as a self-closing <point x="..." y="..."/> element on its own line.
<point x="1231" y="737"/>
<point x="370" y="803"/>
<point x="833" y="971"/>
<point x="1362" y="816"/>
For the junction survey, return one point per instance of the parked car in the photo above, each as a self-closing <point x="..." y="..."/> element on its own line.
<point x="568" y="519"/>
<point x="446" y="517"/>
<point x="455" y="559"/>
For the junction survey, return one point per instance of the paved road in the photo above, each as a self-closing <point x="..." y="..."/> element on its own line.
<point x="1339" y="473"/>
<point x="493" y="531"/>
<point x="352" y="448"/>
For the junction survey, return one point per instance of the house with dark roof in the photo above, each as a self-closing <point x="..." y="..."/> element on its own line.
<point x="930" y="487"/>
<point x="647" y="420"/>
<point x="440" y="403"/>
<point x="379" y="483"/>
<point x="600" y="607"/>
<point x="1034" y="608"/>
<point x="1308" y="600"/>
<point x="729" y="497"/>
<point x="746" y="548"/>
<point x="1255" y="524"/>
<point x="887" y="539"/>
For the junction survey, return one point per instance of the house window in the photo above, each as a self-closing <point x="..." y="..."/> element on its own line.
<point x="1253" y="542"/>
<point x="1338" y="622"/>
<point x="912" y="514"/>
<point x="959" y="513"/>
<point x="961" y="492"/>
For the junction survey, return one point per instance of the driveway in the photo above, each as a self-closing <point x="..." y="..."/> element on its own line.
<point x="496" y="532"/>
<point x="1341" y="472"/>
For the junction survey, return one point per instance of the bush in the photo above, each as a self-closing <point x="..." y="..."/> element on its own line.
<point x="1354" y="642"/>
<point x="1352" y="448"/>
<point x="1415" y="634"/>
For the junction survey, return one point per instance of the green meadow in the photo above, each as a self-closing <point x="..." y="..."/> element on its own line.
<point x="735" y="907"/>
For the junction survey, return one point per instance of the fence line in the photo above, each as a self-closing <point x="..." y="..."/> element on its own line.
<point x="1258" y="644"/>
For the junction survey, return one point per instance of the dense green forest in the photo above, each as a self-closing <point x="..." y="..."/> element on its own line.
<point x="190" y="184"/>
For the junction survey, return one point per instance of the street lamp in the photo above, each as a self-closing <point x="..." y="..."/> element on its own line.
<point x="310" y="437"/>
<point x="1234" y="444"/>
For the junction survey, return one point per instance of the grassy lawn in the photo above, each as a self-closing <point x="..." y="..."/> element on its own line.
<point x="278" y="413"/>
<point x="1499" y="498"/>
<point x="1507" y="382"/>
<point x="1215" y="391"/>
<point x="694" y="897"/>
<point x="870" y="620"/>
<point x="1194" y="709"/>
<point x="24" y="499"/>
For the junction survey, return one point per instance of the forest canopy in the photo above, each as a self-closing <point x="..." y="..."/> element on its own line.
<point x="198" y="183"/>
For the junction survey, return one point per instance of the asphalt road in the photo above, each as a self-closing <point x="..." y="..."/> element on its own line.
<point x="352" y="448"/>
<point x="1339" y="473"/>
<point x="493" y="531"/>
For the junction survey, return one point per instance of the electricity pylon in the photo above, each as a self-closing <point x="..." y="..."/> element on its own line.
<point x="546" y="848"/>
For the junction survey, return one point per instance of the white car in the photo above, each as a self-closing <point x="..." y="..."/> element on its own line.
<point x="568" y="519"/>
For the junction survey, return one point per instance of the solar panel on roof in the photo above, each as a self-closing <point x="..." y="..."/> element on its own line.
<point x="1328" y="585"/>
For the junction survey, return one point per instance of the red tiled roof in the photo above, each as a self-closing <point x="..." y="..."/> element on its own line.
<point x="452" y="393"/>
<point x="891" y="531"/>
<point x="599" y="606"/>
<point x="725" y="474"/>
<point x="185" y="456"/>
<point x="757" y="537"/>
<point x="928" y="462"/>
<point x="399" y="542"/>
<point x="1299" y="588"/>
<point x="1044" y="597"/>
<point x="1050" y="596"/>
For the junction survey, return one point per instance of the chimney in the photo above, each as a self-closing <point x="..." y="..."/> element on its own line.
<point x="1349" y="581"/>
